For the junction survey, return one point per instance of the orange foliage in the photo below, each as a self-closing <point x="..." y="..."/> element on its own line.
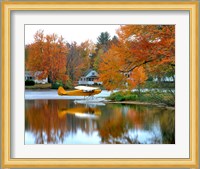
<point x="137" y="77"/>
<point x="139" y="48"/>
<point x="48" y="54"/>
<point x="109" y="69"/>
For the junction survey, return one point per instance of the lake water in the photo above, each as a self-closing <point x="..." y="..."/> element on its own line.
<point x="67" y="122"/>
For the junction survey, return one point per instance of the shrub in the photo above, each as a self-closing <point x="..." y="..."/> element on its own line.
<point x="125" y="95"/>
<point x="29" y="83"/>
<point x="68" y="85"/>
<point x="132" y="97"/>
<point x="119" y="98"/>
<point x="57" y="84"/>
<point x="156" y="96"/>
<point x="160" y="97"/>
<point x="114" y="95"/>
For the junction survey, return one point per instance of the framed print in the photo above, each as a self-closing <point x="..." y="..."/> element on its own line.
<point x="100" y="84"/>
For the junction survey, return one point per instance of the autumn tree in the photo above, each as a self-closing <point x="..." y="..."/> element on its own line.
<point x="104" y="42"/>
<point x="26" y="55"/>
<point x="48" y="55"/>
<point x="137" y="78"/>
<point x="78" y="60"/>
<point x="149" y="46"/>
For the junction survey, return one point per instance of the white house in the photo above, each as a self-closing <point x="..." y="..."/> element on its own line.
<point x="29" y="76"/>
<point x="90" y="77"/>
<point x="165" y="79"/>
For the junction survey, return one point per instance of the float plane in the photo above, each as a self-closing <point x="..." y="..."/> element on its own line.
<point x="79" y="91"/>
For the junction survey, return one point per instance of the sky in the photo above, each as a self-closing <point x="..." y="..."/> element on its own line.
<point x="70" y="33"/>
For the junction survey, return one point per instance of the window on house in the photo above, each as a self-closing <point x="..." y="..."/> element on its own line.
<point x="30" y="78"/>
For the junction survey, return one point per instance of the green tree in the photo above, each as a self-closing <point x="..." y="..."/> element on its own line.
<point x="103" y="41"/>
<point x="114" y="40"/>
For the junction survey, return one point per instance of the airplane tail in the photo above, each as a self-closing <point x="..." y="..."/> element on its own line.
<point x="61" y="91"/>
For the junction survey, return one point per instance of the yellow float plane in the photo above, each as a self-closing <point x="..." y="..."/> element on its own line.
<point x="80" y="91"/>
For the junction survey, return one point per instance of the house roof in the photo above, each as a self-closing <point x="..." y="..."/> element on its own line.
<point x="87" y="72"/>
<point x="32" y="73"/>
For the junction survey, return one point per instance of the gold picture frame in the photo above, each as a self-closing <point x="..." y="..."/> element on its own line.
<point x="7" y="161"/>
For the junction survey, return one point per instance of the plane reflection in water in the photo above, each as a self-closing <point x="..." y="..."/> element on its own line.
<point x="81" y="112"/>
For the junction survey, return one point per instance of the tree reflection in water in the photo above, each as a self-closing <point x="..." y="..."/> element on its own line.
<point x="42" y="120"/>
<point x="54" y="121"/>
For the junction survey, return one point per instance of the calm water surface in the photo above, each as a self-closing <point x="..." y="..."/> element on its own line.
<point x="64" y="122"/>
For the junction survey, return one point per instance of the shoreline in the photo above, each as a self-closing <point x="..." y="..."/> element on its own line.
<point x="52" y="94"/>
<point x="142" y="103"/>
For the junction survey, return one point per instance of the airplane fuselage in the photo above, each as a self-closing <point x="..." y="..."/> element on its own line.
<point x="62" y="91"/>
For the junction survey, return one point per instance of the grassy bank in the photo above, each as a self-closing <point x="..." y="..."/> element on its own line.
<point x="166" y="97"/>
<point x="39" y="86"/>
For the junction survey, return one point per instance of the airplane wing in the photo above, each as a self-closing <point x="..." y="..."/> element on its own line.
<point x="86" y="88"/>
